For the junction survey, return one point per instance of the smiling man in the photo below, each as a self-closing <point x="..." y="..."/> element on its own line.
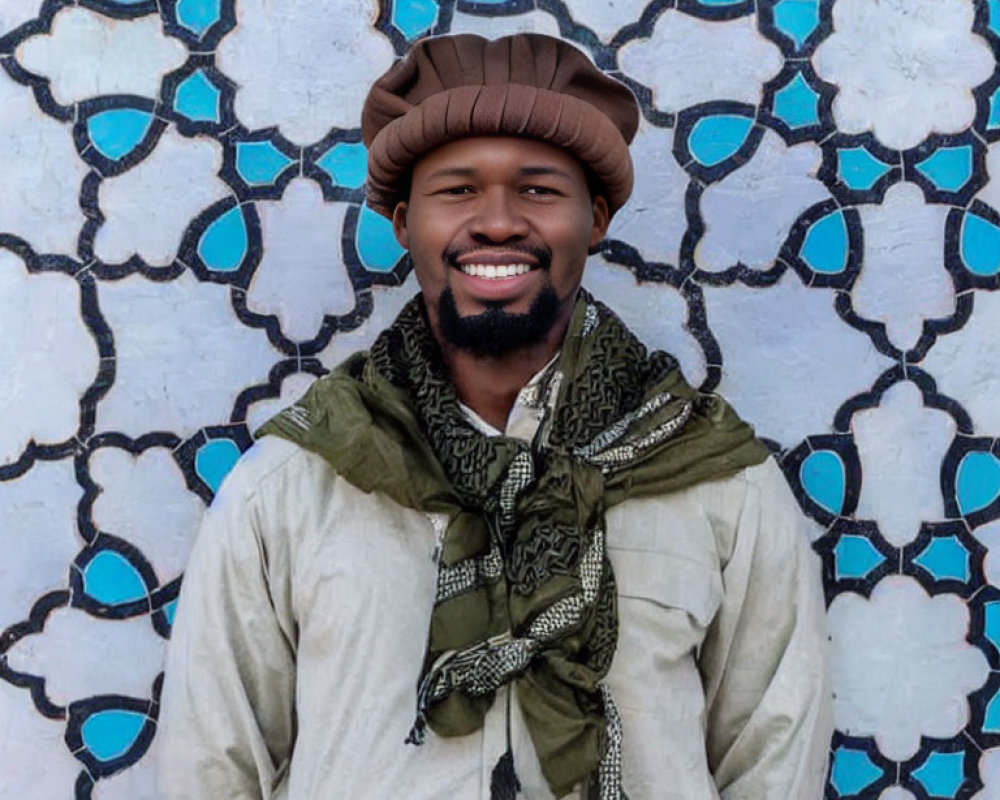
<point x="507" y="552"/>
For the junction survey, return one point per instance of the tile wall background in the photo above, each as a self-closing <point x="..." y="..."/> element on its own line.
<point x="183" y="247"/>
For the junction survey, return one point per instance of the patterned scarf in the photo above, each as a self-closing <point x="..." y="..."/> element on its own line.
<point x="525" y="591"/>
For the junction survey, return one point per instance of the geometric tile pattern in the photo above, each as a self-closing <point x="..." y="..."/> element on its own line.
<point x="823" y="198"/>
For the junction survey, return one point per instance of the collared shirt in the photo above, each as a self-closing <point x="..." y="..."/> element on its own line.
<point x="303" y="620"/>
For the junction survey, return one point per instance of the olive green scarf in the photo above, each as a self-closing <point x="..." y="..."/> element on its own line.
<point x="525" y="590"/>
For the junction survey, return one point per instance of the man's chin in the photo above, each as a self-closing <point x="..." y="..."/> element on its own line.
<point x="496" y="331"/>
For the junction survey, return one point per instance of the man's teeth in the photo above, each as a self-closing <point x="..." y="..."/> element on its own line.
<point x="495" y="270"/>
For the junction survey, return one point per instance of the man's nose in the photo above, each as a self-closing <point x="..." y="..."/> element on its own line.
<point x="498" y="217"/>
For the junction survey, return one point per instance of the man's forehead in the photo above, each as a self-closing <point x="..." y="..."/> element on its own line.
<point x="522" y="157"/>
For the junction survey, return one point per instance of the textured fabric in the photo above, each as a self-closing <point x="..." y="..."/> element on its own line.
<point x="528" y="84"/>
<point x="525" y="590"/>
<point x="303" y="618"/>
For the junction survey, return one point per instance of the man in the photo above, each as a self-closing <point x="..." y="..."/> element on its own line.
<point x="506" y="553"/>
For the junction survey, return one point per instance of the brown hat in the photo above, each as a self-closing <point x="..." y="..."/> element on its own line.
<point x="450" y="87"/>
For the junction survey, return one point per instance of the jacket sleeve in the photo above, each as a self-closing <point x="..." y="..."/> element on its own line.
<point x="227" y="721"/>
<point x="764" y="662"/>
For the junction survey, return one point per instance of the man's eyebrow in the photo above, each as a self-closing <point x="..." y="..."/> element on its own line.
<point x="452" y="172"/>
<point x="545" y="170"/>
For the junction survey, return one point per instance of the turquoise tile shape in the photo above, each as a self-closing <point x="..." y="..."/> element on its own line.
<point x="260" y="163"/>
<point x="948" y="168"/>
<point x="110" y="579"/>
<point x="170" y="611"/>
<point x="854" y="557"/>
<point x="377" y="247"/>
<point x="214" y="459"/>
<point x="109" y="734"/>
<point x="980" y="245"/>
<point x="994" y="7"/>
<point x="825" y="249"/>
<point x="945" y="559"/>
<point x="852" y="771"/>
<point x="198" y="15"/>
<point x="942" y="774"/>
<point x="796" y="103"/>
<point x="823" y="477"/>
<point x="714" y="139"/>
<point x="797" y="19"/>
<point x="414" y="17"/>
<point x="994" y="119"/>
<point x="991" y="623"/>
<point x="991" y="717"/>
<point x="116" y="132"/>
<point x="977" y="481"/>
<point x="223" y="244"/>
<point x="198" y="99"/>
<point x="859" y="169"/>
<point x="346" y="163"/>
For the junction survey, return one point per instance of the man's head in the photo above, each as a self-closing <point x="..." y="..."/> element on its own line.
<point x="500" y="164"/>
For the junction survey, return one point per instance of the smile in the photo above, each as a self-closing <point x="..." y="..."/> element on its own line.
<point x="495" y="271"/>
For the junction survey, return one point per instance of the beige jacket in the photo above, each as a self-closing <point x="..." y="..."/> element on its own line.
<point x="302" y="622"/>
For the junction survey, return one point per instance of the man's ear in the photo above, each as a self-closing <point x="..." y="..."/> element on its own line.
<point x="399" y="229"/>
<point x="602" y="218"/>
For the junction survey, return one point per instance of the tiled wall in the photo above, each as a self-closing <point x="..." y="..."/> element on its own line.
<point x="183" y="247"/>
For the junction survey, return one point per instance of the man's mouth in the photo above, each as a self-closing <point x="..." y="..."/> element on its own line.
<point x="495" y="271"/>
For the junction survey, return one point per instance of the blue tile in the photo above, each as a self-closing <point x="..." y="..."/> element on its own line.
<point x="214" y="459"/>
<point x="942" y="774"/>
<point x="224" y="243"/>
<point x="110" y="579"/>
<point x="823" y="477"/>
<point x="991" y="717"/>
<point x="377" y="247"/>
<point x="170" y="611"/>
<point x="714" y="139"/>
<point x="110" y="734"/>
<point x="346" y="163"/>
<point x="796" y="103"/>
<point x="797" y="19"/>
<point x="945" y="559"/>
<point x="116" y="132"/>
<point x="991" y="624"/>
<point x="994" y="119"/>
<point x="852" y="771"/>
<point x="825" y="247"/>
<point x="198" y="15"/>
<point x="977" y="481"/>
<point x="414" y="17"/>
<point x="980" y="245"/>
<point x="260" y="163"/>
<point x="994" y="8"/>
<point x="855" y="557"/>
<point x="948" y="168"/>
<point x="859" y="169"/>
<point x="197" y="98"/>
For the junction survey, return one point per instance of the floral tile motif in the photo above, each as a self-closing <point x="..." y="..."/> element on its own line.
<point x="185" y="245"/>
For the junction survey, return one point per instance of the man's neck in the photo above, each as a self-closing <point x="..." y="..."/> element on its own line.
<point x="489" y="385"/>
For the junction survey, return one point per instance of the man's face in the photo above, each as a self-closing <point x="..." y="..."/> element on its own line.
<point x="499" y="230"/>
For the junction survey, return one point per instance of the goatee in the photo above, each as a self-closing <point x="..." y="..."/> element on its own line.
<point x="496" y="332"/>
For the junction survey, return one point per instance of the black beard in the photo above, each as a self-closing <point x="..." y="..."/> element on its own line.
<point x="496" y="332"/>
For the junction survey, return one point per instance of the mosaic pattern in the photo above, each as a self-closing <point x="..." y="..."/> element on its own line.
<point x="184" y="247"/>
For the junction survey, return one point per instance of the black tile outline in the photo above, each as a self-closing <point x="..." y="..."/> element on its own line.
<point x="827" y="544"/>
<point x="945" y="529"/>
<point x="35" y="623"/>
<point x="89" y="153"/>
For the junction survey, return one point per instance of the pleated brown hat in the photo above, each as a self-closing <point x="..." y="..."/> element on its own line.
<point x="528" y="84"/>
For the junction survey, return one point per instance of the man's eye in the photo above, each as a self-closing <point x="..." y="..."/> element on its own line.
<point x="458" y="190"/>
<point x="540" y="190"/>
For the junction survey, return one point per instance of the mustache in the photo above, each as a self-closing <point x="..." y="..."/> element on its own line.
<point x="540" y="255"/>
